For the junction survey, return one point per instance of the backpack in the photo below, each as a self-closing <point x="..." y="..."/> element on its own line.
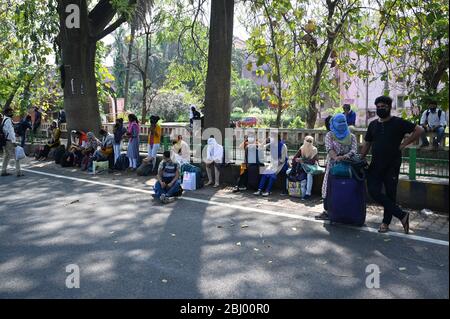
<point x="122" y="163"/>
<point x="70" y="156"/>
<point x="3" y="136"/>
<point x="59" y="154"/>
<point x="17" y="128"/>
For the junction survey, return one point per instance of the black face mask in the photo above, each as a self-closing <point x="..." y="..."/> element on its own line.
<point x="383" y="113"/>
<point x="433" y="109"/>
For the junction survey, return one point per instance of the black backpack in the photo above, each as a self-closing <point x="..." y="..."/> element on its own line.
<point x="68" y="159"/>
<point x="122" y="163"/>
<point x="59" y="154"/>
<point x="3" y="136"/>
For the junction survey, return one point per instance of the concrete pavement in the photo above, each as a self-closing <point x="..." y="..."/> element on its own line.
<point x="127" y="246"/>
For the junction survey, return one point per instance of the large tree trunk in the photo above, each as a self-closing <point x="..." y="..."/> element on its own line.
<point x="78" y="57"/>
<point x="217" y="95"/>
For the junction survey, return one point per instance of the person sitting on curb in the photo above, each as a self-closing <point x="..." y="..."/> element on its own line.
<point x="242" y="181"/>
<point x="168" y="184"/>
<point x="306" y="155"/>
<point x="74" y="154"/>
<point x="88" y="151"/>
<point x="278" y="165"/>
<point x="106" y="149"/>
<point x="181" y="148"/>
<point x="52" y="143"/>
<point x="214" y="159"/>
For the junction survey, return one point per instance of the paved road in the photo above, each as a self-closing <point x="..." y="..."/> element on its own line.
<point x="127" y="246"/>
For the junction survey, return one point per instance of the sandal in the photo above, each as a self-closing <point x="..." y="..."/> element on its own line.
<point x="322" y="216"/>
<point x="406" y="223"/>
<point x="384" y="228"/>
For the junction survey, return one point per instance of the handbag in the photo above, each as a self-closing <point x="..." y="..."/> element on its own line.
<point x="20" y="153"/>
<point x="189" y="181"/>
<point x="313" y="169"/>
<point x="358" y="167"/>
<point x="296" y="173"/>
<point x="341" y="169"/>
<point x="294" y="189"/>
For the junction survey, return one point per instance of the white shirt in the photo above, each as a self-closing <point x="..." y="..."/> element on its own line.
<point x="433" y="118"/>
<point x="8" y="129"/>
<point x="214" y="151"/>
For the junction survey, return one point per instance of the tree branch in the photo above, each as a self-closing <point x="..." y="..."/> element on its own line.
<point x="110" y="29"/>
<point x="102" y="15"/>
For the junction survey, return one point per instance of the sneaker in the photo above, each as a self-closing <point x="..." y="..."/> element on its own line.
<point x="307" y="197"/>
<point x="258" y="193"/>
<point x="209" y="183"/>
<point x="168" y="200"/>
<point x="216" y="185"/>
<point x="242" y="188"/>
<point x="6" y="174"/>
<point x="162" y="198"/>
<point x="20" y="174"/>
<point x="236" y="190"/>
<point x="266" y="194"/>
<point x="284" y="194"/>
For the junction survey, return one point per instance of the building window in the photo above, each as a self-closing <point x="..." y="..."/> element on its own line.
<point x="400" y="101"/>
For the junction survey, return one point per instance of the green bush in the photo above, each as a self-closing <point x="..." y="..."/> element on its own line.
<point x="296" y="122"/>
<point x="254" y="110"/>
<point x="238" y="110"/>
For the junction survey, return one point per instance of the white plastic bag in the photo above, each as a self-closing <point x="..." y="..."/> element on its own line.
<point x="20" y="153"/>
<point x="189" y="181"/>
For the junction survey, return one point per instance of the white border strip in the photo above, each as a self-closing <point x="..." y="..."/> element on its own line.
<point x="253" y="210"/>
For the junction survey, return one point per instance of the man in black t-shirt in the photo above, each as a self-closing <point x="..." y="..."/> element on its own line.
<point x="385" y="137"/>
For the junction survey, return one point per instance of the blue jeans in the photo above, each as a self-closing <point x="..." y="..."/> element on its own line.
<point x="168" y="192"/>
<point x="267" y="177"/>
<point x="439" y="136"/>
<point x="307" y="185"/>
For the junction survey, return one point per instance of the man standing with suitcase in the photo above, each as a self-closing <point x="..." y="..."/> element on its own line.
<point x="386" y="138"/>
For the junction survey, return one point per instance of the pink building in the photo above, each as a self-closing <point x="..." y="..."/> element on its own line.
<point x="361" y="95"/>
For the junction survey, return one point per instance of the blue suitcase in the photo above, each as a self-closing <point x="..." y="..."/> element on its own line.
<point x="346" y="199"/>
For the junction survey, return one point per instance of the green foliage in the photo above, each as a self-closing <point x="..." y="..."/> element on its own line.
<point x="26" y="32"/>
<point x="297" y="122"/>
<point x="254" y="111"/>
<point x="238" y="110"/>
<point x="244" y="94"/>
<point x="171" y="106"/>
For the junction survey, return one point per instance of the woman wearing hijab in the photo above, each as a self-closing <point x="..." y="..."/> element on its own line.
<point x="307" y="154"/>
<point x="89" y="149"/>
<point x="278" y="164"/>
<point x="340" y="144"/>
<point x="133" y="143"/>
